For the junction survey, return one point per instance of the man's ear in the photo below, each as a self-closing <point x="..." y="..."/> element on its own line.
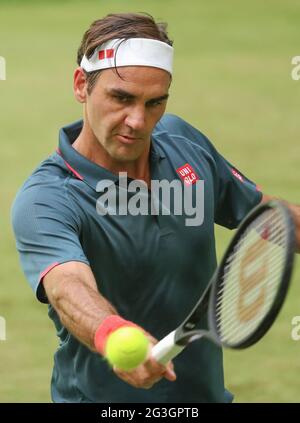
<point x="80" y="85"/>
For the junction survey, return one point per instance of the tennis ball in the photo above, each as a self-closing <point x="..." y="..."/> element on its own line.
<point x="126" y="348"/>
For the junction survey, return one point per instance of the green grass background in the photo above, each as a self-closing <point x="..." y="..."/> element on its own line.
<point x="232" y="80"/>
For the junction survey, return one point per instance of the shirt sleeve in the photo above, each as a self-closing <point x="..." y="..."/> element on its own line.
<point x="234" y="194"/>
<point x="47" y="232"/>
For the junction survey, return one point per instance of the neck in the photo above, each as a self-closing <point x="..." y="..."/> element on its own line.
<point x="88" y="146"/>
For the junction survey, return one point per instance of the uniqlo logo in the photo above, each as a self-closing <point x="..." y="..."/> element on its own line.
<point x="106" y="54"/>
<point x="187" y="174"/>
<point x="237" y="175"/>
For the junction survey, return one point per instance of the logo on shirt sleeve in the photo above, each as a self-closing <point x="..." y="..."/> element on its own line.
<point x="237" y="175"/>
<point x="187" y="174"/>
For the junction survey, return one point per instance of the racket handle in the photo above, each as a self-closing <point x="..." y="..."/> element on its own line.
<point x="166" y="349"/>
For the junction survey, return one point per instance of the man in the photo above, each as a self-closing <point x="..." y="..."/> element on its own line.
<point x="99" y="268"/>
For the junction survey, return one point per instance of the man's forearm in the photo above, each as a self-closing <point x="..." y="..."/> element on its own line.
<point x="79" y="305"/>
<point x="82" y="310"/>
<point x="295" y="209"/>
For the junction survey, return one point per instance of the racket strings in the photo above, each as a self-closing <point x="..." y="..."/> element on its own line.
<point x="246" y="286"/>
<point x="251" y="278"/>
<point x="236" y="271"/>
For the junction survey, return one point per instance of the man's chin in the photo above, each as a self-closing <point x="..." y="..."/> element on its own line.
<point x="125" y="158"/>
<point x="124" y="155"/>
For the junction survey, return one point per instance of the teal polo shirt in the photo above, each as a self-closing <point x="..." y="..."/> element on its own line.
<point x="152" y="268"/>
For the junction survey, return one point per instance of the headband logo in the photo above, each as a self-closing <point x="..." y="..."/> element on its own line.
<point x="106" y="54"/>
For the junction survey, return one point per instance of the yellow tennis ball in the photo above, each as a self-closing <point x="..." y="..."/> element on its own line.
<point x="126" y="348"/>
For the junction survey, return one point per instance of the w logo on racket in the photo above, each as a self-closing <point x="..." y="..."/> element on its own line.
<point x="253" y="271"/>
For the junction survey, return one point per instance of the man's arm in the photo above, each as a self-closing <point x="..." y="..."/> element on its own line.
<point x="295" y="209"/>
<point x="72" y="290"/>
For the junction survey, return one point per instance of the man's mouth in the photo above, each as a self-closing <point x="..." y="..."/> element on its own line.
<point x="126" y="139"/>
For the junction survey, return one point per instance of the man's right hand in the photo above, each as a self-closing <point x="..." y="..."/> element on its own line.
<point x="147" y="374"/>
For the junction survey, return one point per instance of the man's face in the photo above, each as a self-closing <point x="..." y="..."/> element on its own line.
<point x="122" y="112"/>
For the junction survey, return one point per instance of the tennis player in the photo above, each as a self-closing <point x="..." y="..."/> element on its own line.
<point x="99" y="267"/>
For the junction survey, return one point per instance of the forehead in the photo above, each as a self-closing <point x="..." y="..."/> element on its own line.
<point x="135" y="79"/>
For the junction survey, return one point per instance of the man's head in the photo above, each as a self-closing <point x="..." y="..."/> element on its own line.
<point x="124" y="103"/>
<point x="122" y="25"/>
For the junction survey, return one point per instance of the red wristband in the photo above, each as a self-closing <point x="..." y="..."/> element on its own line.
<point x="109" y="325"/>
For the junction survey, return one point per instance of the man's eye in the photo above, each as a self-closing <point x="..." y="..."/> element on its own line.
<point x="156" y="103"/>
<point x="122" y="98"/>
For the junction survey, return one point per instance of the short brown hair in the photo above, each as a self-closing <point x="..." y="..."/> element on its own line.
<point x="118" y="25"/>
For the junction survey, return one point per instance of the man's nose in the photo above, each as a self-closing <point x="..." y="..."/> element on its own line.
<point x="136" y="118"/>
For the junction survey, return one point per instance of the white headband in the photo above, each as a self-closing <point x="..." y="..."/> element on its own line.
<point x="131" y="52"/>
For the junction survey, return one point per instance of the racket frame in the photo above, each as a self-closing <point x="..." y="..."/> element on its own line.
<point x="271" y="315"/>
<point x="170" y="346"/>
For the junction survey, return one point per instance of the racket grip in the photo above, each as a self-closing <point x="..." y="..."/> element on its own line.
<point x="166" y="349"/>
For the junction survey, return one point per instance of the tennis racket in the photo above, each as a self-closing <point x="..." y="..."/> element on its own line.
<point x="248" y="288"/>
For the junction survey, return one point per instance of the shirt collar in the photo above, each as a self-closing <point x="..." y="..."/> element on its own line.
<point x="82" y="168"/>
